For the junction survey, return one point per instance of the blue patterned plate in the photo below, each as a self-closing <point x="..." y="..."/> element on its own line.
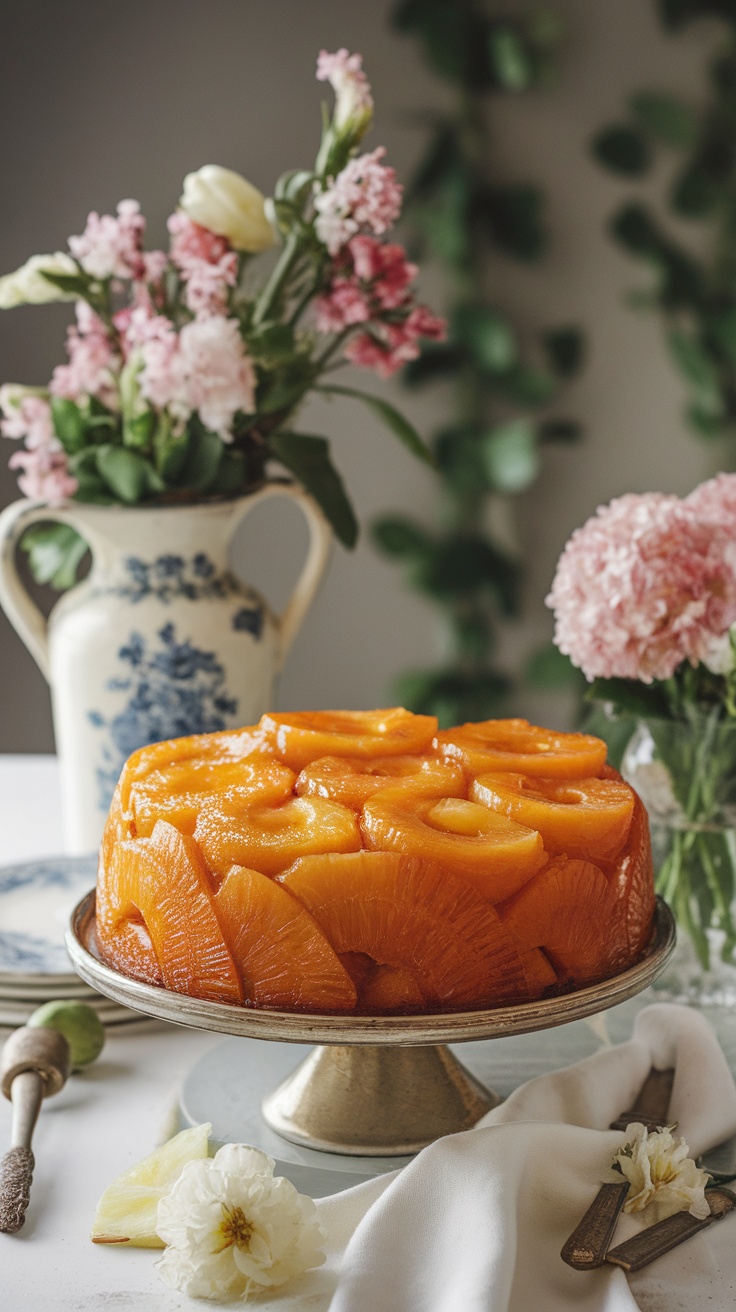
<point x="36" y="900"/>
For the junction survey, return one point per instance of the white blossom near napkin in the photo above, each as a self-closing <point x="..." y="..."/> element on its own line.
<point x="476" y="1222"/>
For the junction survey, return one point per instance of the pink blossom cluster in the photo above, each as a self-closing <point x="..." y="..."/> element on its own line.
<point x="364" y="195"/>
<point x="344" y="72"/>
<point x="371" y="285"/>
<point x="648" y="582"/>
<point x="45" y="475"/>
<point x="93" y="366"/>
<point x="111" y="247"/>
<point x="203" y="367"/>
<point x="207" y="264"/>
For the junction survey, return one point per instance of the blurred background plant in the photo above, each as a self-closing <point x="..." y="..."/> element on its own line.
<point x="490" y="446"/>
<point x="694" y="296"/>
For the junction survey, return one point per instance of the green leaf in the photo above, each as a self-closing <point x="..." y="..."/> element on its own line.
<point x="694" y="195"/>
<point x="55" y="552"/>
<point x="510" y="60"/>
<point x="390" y="416"/>
<point x="453" y="695"/>
<point x="447" y="232"/>
<point x="73" y="285"/>
<point x="722" y="327"/>
<point x="125" y="473"/>
<point x="399" y="537"/>
<point x="466" y="563"/>
<point x="441" y="158"/>
<point x="203" y="455"/>
<point x="272" y="342"/>
<point x="527" y="386"/>
<point x="169" y="450"/>
<point x="564" y="347"/>
<point x="513" y="218"/>
<point x="487" y="335"/>
<point x="231" y="475"/>
<point x="308" y="458"/>
<point x="637" y="231"/>
<point x="435" y="362"/>
<point x="137" y="432"/>
<point x="511" y="456"/>
<point x="453" y="38"/>
<point x="630" y="697"/>
<point x="699" y="370"/>
<point x="459" y="453"/>
<point x="622" y="149"/>
<point x="559" y="430"/>
<point x="69" y="424"/>
<point x="666" y="117"/>
<point x="548" y="668"/>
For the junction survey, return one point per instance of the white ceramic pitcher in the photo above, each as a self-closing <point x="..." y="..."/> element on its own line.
<point x="159" y="640"/>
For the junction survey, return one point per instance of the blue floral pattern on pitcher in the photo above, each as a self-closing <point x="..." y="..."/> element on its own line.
<point x="170" y="577"/>
<point x="171" y="690"/>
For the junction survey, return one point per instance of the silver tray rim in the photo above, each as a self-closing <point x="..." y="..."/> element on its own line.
<point x="413" y="1030"/>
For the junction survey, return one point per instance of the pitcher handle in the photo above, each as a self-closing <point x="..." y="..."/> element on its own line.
<point x="24" y="615"/>
<point x="318" y="553"/>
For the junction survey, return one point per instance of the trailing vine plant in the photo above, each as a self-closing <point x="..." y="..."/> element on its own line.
<point x="491" y="444"/>
<point x="695" y="297"/>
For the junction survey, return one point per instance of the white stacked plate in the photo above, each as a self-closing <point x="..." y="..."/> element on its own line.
<point x="36" y="900"/>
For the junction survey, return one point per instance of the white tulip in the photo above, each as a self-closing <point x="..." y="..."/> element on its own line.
<point x="27" y="285"/>
<point x="228" y="205"/>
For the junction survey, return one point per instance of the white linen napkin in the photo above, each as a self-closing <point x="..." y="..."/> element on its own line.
<point x="476" y="1222"/>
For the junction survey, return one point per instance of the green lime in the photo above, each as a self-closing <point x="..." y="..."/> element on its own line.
<point x="80" y="1025"/>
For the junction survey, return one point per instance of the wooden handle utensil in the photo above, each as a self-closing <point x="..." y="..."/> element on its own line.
<point x="588" y="1244"/>
<point x="658" y="1239"/>
<point x="35" y="1064"/>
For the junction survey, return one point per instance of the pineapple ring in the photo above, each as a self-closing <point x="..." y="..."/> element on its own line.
<point x="587" y="818"/>
<point x="353" y="781"/>
<point x="522" y="748"/>
<point x="299" y="737"/>
<point x="270" y="838"/>
<point x="495" y="854"/>
<point x="178" y="794"/>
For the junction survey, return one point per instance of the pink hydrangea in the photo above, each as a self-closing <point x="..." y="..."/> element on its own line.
<point x="217" y="377"/>
<point x="344" y="72"/>
<point x="45" y="475"/>
<point x="204" y="367"/>
<point x="93" y="363"/>
<point x="644" y="585"/>
<point x="111" y="247"/>
<point x="208" y="265"/>
<point x="715" y="501"/>
<point x="364" y="195"/>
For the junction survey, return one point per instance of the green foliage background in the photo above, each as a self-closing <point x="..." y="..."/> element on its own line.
<point x="491" y="444"/>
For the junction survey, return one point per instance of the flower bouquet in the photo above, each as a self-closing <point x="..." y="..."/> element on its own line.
<point x="645" y="605"/>
<point x="187" y="367"/>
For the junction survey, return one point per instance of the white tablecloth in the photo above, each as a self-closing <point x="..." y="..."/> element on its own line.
<point x="110" y="1117"/>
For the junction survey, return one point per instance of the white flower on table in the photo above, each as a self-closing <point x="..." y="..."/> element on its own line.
<point x="232" y="1229"/>
<point x="661" y="1175"/>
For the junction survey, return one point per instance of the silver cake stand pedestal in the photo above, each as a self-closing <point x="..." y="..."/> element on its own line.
<point x="372" y="1091"/>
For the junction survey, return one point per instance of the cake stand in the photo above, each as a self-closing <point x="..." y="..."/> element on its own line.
<point x="377" y="1088"/>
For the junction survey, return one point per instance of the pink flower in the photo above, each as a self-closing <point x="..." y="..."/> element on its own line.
<point x="204" y="368"/>
<point x="354" y="103"/>
<point x="208" y="265"/>
<point x="389" y="346"/>
<point x="93" y="364"/>
<point x="715" y="501"/>
<point x="111" y="247"/>
<point x="344" y="305"/>
<point x="45" y="475"/>
<point x="31" y="419"/>
<point x="216" y="375"/>
<point x="364" y="195"/>
<point x="642" y="586"/>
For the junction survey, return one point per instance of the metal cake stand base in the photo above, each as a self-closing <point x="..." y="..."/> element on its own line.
<point x="375" y="1087"/>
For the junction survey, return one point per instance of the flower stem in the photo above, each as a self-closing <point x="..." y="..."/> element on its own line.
<point x="273" y="287"/>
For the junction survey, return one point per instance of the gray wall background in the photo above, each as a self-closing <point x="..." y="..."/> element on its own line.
<point x="101" y="100"/>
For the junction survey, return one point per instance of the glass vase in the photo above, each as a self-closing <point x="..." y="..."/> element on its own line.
<point x="685" y="774"/>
